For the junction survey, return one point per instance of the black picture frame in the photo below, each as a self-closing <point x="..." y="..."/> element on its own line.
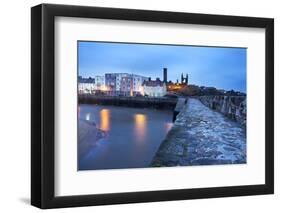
<point x="43" y="105"/>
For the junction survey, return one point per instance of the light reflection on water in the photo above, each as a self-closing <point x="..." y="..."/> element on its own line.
<point x="140" y="127"/>
<point x="88" y="116"/>
<point x="132" y="136"/>
<point x="168" y="126"/>
<point x="105" y="119"/>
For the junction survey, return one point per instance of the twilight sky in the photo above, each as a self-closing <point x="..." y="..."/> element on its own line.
<point x="223" y="68"/>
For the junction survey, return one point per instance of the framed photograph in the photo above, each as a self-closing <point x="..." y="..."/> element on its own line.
<point x="139" y="106"/>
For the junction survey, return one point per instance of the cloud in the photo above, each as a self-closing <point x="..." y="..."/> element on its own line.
<point x="209" y="66"/>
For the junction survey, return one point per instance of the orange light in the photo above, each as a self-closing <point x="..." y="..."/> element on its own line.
<point x="140" y="127"/>
<point x="141" y="90"/>
<point x="168" y="126"/>
<point x="104" y="88"/>
<point x="105" y="119"/>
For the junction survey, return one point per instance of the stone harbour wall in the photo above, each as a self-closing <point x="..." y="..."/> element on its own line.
<point x="201" y="136"/>
<point x="234" y="107"/>
<point x="140" y="102"/>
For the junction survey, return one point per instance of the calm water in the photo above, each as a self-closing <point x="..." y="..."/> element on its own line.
<point x="132" y="136"/>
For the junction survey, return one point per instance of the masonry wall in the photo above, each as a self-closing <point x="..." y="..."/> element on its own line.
<point x="234" y="107"/>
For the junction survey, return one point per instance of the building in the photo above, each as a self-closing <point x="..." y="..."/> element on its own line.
<point x="124" y="84"/>
<point x="177" y="86"/>
<point x="137" y="83"/>
<point x="131" y="85"/>
<point x="110" y="81"/>
<point x="154" y="88"/>
<point x="113" y="82"/>
<point x="165" y="75"/>
<point x="184" y="80"/>
<point x="86" y="85"/>
<point x="99" y="82"/>
<point x="126" y="87"/>
<point x="119" y="77"/>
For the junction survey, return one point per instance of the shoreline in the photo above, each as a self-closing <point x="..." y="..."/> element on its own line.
<point x="87" y="130"/>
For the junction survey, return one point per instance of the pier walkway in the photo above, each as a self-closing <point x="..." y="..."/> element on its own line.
<point x="201" y="136"/>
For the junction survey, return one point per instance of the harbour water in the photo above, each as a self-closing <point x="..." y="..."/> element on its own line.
<point x="127" y="137"/>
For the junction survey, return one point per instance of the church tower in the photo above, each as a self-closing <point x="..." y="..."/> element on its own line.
<point x="186" y="79"/>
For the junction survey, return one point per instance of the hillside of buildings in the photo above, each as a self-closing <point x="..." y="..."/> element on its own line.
<point x="125" y="84"/>
<point x="134" y="90"/>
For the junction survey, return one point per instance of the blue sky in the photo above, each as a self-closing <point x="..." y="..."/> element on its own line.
<point x="223" y="68"/>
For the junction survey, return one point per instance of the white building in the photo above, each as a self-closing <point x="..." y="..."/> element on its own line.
<point x="138" y="81"/>
<point x="124" y="83"/>
<point x="155" y="88"/>
<point x="86" y="85"/>
<point x="99" y="82"/>
<point x="114" y="84"/>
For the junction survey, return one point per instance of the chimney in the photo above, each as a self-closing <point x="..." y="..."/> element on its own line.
<point x="165" y="75"/>
<point x="149" y="78"/>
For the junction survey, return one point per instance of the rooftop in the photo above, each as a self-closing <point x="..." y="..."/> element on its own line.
<point x="153" y="83"/>
<point x="86" y="80"/>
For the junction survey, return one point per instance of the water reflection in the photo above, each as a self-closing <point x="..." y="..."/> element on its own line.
<point x="140" y="127"/>
<point x="88" y="116"/>
<point x="105" y="119"/>
<point x="132" y="136"/>
<point x="168" y="126"/>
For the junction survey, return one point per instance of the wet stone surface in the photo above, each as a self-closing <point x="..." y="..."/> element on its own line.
<point x="201" y="136"/>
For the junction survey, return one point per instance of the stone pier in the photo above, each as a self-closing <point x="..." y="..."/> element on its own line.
<point x="202" y="136"/>
<point x="180" y="104"/>
<point x="234" y="107"/>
